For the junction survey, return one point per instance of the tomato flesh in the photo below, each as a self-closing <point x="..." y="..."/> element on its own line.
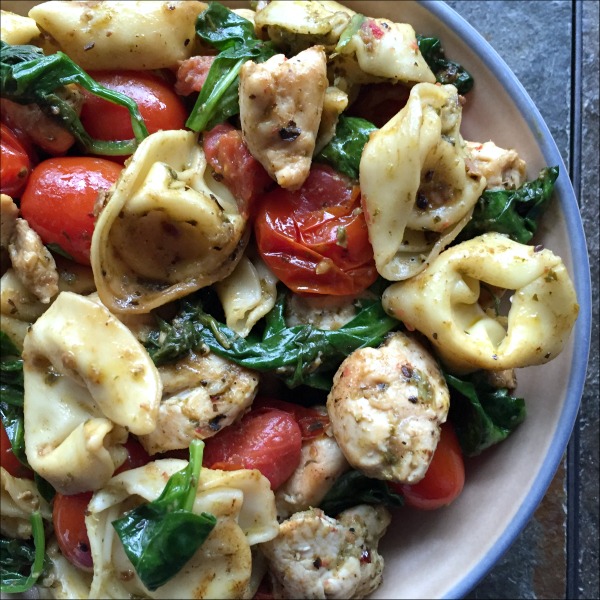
<point x="68" y="517"/>
<point x="315" y="239"/>
<point x="15" y="165"/>
<point x="445" y="477"/>
<point x="59" y="199"/>
<point x="9" y="461"/>
<point x="269" y="440"/>
<point x="136" y="456"/>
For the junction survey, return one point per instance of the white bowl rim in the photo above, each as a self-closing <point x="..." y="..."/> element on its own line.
<point x="581" y="277"/>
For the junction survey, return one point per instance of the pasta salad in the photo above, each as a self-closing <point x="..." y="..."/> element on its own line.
<point x="258" y="294"/>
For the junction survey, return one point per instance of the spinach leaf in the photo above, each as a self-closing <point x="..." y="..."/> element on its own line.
<point x="482" y="415"/>
<point x="29" y="77"/>
<point x="445" y="71"/>
<point x="344" y="151"/>
<point x="22" y="561"/>
<point x="237" y="43"/>
<point x="354" y="488"/>
<point x="513" y="212"/>
<point x="161" y="536"/>
<point x="299" y="355"/>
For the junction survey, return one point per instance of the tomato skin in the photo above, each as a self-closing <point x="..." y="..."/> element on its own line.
<point x="136" y="456"/>
<point x="269" y="440"/>
<point x="445" y="477"/>
<point x="229" y="157"/>
<point x="9" y="461"/>
<point x="159" y="105"/>
<point x="59" y="199"/>
<point x="68" y="517"/>
<point x="315" y="239"/>
<point x="15" y="164"/>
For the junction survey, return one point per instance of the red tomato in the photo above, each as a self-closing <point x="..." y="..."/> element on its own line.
<point x="312" y="423"/>
<point x="160" y="106"/>
<point x="269" y="441"/>
<point x="229" y="157"/>
<point x="9" y="461"/>
<point x="15" y="165"/>
<point x="59" y="199"/>
<point x="444" y="479"/>
<point x="68" y="516"/>
<point x="379" y="102"/>
<point x="315" y="239"/>
<point x="136" y="456"/>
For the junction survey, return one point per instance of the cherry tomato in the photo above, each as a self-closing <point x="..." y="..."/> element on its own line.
<point x="315" y="239"/>
<point x="59" y="199"/>
<point x="229" y="157"/>
<point x="68" y="516"/>
<point x="269" y="440"/>
<point x="445" y="476"/>
<point x="379" y="102"/>
<point x="312" y="423"/>
<point x="9" y="461"/>
<point x="15" y="165"/>
<point x="159" y="105"/>
<point x="136" y="456"/>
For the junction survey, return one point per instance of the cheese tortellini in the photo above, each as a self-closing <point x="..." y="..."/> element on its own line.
<point x="88" y="382"/>
<point x="442" y="303"/>
<point x="415" y="187"/>
<point x="168" y="228"/>
<point x="242" y="502"/>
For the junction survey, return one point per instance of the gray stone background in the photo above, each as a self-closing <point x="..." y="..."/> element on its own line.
<point x="552" y="47"/>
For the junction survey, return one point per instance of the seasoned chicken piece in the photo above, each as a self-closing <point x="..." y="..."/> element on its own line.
<point x="323" y="312"/>
<point x="281" y="102"/>
<point x="501" y="379"/>
<point x="501" y="168"/>
<point x="386" y="406"/>
<point x="321" y="463"/>
<point x="201" y="395"/>
<point x="9" y="213"/>
<point x="315" y="556"/>
<point x="32" y="262"/>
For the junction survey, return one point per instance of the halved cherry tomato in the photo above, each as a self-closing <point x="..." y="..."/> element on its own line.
<point x="9" y="461"/>
<point x="136" y="456"/>
<point x="59" y="199"/>
<point x="445" y="477"/>
<point x="315" y="239"/>
<point x="15" y="164"/>
<point x="68" y="517"/>
<point x="269" y="440"/>
<point x="312" y="423"/>
<point x="229" y="157"/>
<point x="160" y="106"/>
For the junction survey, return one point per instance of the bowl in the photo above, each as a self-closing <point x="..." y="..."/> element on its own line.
<point x="443" y="554"/>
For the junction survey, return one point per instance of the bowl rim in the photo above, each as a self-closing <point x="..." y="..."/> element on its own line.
<point x="580" y="272"/>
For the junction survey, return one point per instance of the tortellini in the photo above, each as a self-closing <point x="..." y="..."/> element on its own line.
<point x="88" y="382"/>
<point x="99" y="35"/>
<point x="416" y="190"/>
<point x="248" y="294"/>
<point x="167" y="229"/>
<point x="244" y="506"/>
<point x="17" y="29"/>
<point x="442" y="303"/>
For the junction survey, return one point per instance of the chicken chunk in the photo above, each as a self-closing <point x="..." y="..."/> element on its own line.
<point x="501" y="168"/>
<point x="321" y="463"/>
<point x="281" y="102"/>
<point x="32" y="262"/>
<point x="315" y="556"/>
<point x="9" y="213"/>
<point x="386" y="406"/>
<point x="201" y="395"/>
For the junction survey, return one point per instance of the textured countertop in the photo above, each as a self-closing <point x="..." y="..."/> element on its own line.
<point x="552" y="47"/>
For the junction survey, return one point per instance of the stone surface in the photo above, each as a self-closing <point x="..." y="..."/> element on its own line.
<point x="556" y="556"/>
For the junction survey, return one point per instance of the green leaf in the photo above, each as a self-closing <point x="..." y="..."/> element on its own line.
<point x="513" y="212"/>
<point x="354" y="488"/>
<point x="160" y="537"/>
<point x="22" y="561"/>
<point x="27" y="76"/>
<point x="445" y="71"/>
<point x="482" y="415"/>
<point x="234" y="37"/>
<point x="344" y="151"/>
